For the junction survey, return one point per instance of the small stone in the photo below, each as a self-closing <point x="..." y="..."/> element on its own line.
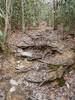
<point x="52" y="96"/>
<point x="12" y="89"/>
<point x="19" y="50"/>
<point x="13" y="82"/>
<point x="68" y="86"/>
<point x="27" y="54"/>
<point x="18" y="62"/>
<point x="20" y="66"/>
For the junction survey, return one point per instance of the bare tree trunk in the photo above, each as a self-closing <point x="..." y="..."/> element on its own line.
<point x="8" y="16"/>
<point x="55" y="13"/>
<point x="23" y="20"/>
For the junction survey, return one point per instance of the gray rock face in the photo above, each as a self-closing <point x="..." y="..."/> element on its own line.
<point x="66" y="58"/>
<point x="42" y="39"/>
<point x="49" y="56"/>
<point x="38" y="96"/>
<point x="46" y="46"/>
<point x="44" y="75"/>
<point x="39" y="39"/>
<point x="41" y="72"/>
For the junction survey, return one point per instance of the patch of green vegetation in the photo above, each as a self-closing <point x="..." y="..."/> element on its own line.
<point x="2" y="36"/>
<point x="7" y="51"/>
<point x="73" y="66"/>
<point x="55" y="67"/>
<point x="61" y="82"/>
<point x="4" y="46"/>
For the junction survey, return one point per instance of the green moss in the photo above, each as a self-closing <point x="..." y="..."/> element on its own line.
<point x="7" y="51"/>
<point x="54" y="67"/>
<point x="61" y="82"/>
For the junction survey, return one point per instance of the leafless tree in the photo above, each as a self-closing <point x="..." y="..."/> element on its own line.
<point x="23" y="20"/>
<point x="8" y="16"/>
<point x="55" y="6"/>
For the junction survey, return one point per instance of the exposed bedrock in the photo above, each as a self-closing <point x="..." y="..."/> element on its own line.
<point x="46" y="47"/>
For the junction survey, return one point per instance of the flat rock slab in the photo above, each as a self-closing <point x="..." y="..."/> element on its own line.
<point x="43" y="75"/>
<point x="40" y="72"/>
<point x="49" y="56"/>
<point x="66" y="58"/>
<point x="45" y="38"/>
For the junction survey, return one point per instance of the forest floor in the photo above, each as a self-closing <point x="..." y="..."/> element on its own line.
<point x="13" y="85"/>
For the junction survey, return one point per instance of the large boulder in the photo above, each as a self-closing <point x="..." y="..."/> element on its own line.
<point x="44" y="75"/>
<point x="38" y="39"/>
<point x="49" y="56"/>
<point x="46" y="46"/>
<point x="40" y="72"/>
